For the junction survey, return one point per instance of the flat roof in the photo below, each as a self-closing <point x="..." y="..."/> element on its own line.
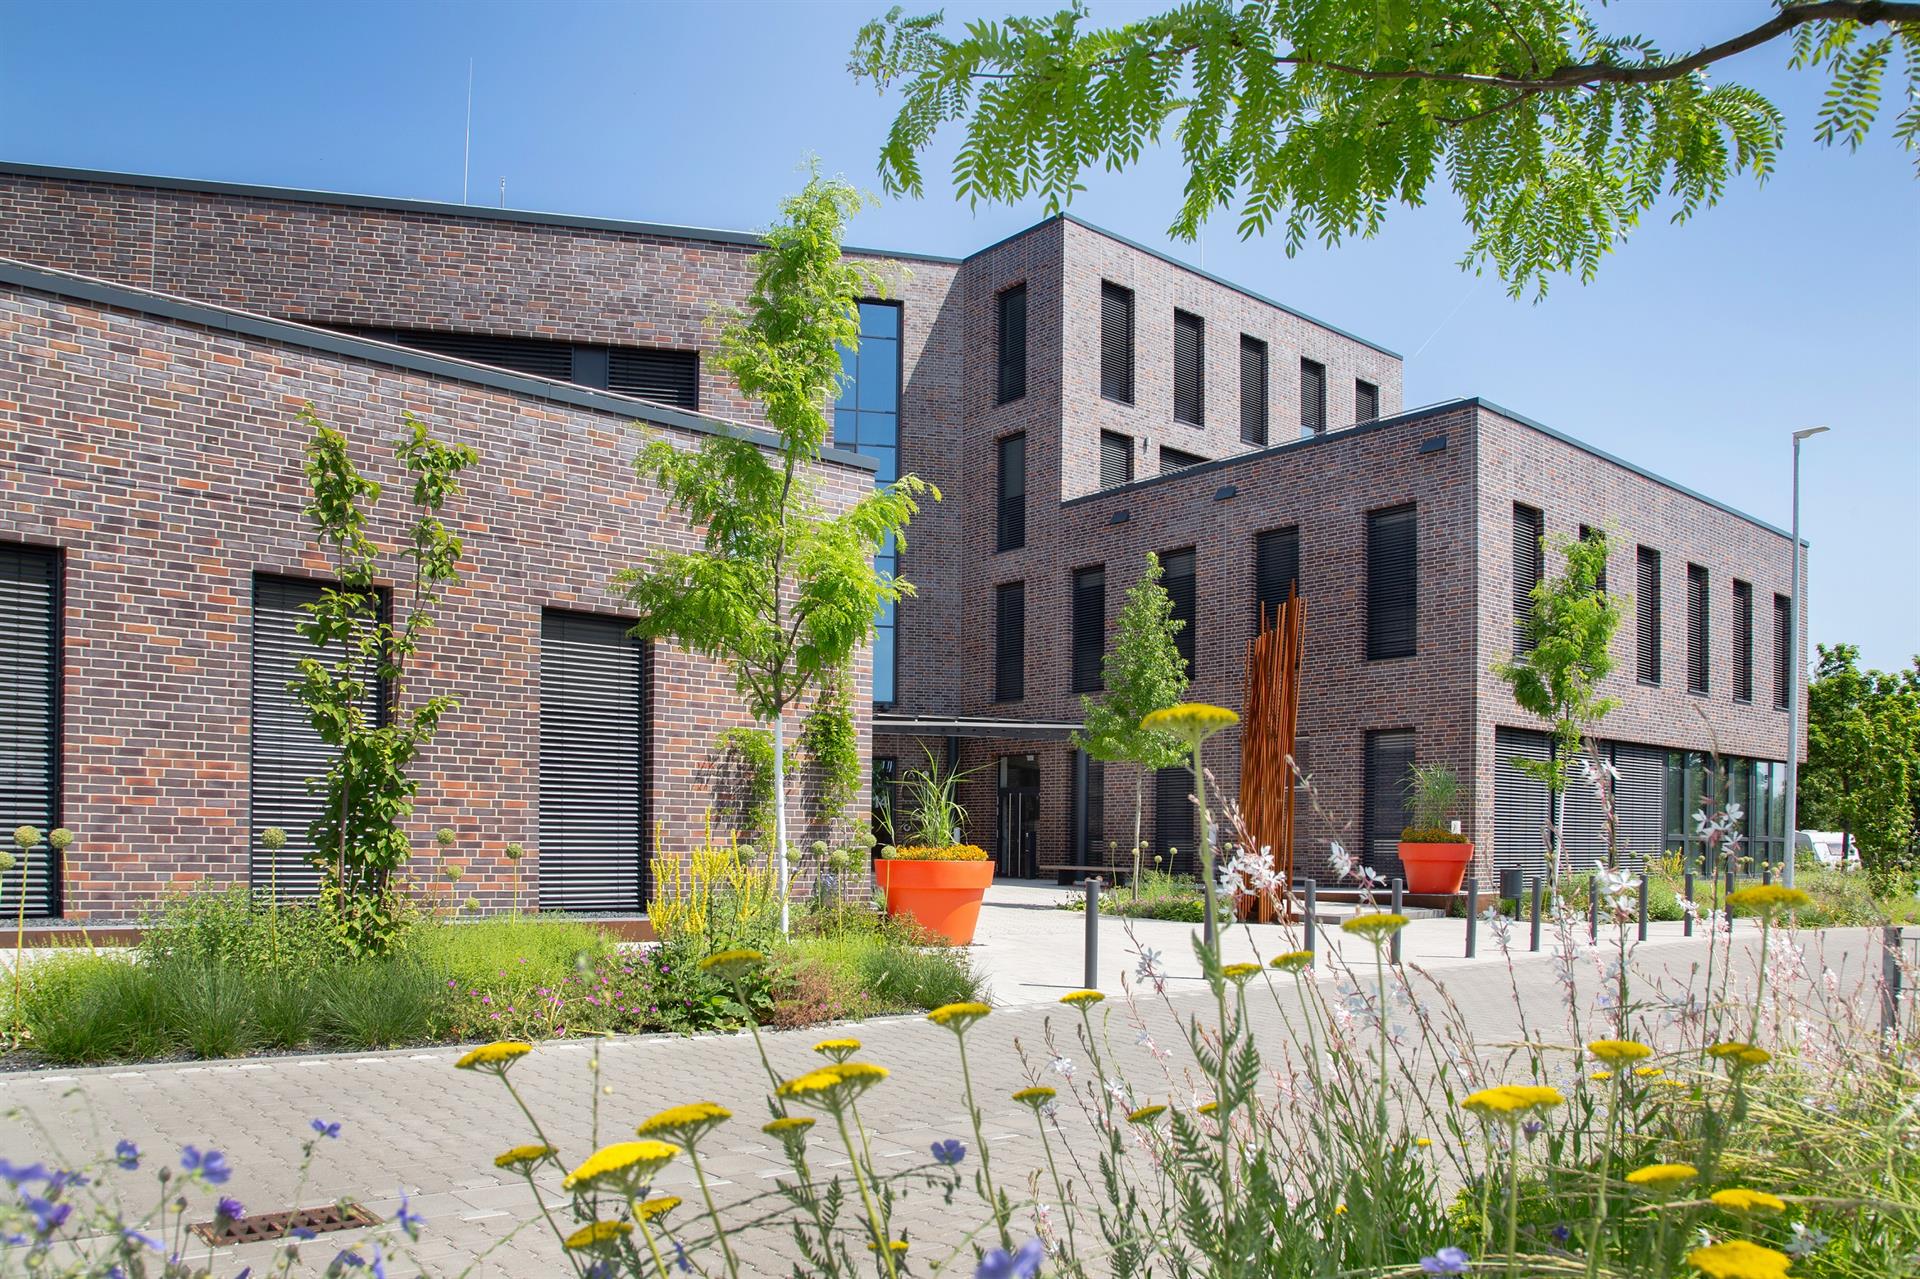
<point x="165" y="306"/>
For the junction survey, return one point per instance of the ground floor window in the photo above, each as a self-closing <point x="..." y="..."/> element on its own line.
<point x="886" y="797"/>
<point x="30" y="718"/>
<point x="1173" y="821"/>
<point x="1696" y="781"/>
<point x="1389" y="761"/>
<point x="592" y="847"/>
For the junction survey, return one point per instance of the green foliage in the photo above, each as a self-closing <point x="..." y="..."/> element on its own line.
<point x="742" y="777"/>
<point x="934" y="817"/>
<point x="1316" y="116"/>
<point x="81" y="1009"/>
<point x="378" y="1003"/>
<point x="1431" y="792"/>
<point x="229" y="927"/>
<point x="1154" y="894"/>
<point x="1862" y="774"/>
<point x="833" y="743"/>
<point x="360" y="837"/>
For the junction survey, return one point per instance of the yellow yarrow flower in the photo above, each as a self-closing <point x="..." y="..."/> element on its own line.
<point x="520" y="1156"/>
<point x="625" y="1162"/>
<point x="732" y="963"/>
<point x="1081" y="998"/>
<point x="1037" y="1096"/>
<point x="1339" y="1210"/>
<point x="831" y="1087"/>
<point x="788" y="1126"/>
<point x="1511" y="1101"/>
<point x="1738" y="1259"/>
<point x="1601" y="1076"/>
<point x="898" y="1247"/>
<point x="1617" y="1052"/>
<point x="1660" y="1176"/>
<point x="1648" y="1072"/>
<point x="685" y="1124"/>
<point x="1240" y="974"/>
<point x="957" y="1017"/>
<point x="1192" y="722"/>
<point x="1376" y="927"/>
<point x="1767" y="899"/>
<point x="1293" y="961"/>
<point x="1423" y="1142"/>
<point x="500" y="1054"/>
<point x="1742" y="1200"/>
<point x="1146" y="1114"/>
<point x="658" y="1206"/>
<point x="598" y="1235"/>
<point x="1739" y="1053"/>
<point x="837" y="1049"/>
<point x="1206" y="1107"/>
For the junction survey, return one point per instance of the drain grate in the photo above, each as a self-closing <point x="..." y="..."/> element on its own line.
<point x="261" y="1226"/>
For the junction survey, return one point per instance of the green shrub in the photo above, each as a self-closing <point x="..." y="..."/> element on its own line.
<point x="80" y="1009"/>
<point x="378" y="1003"/>
<point x="283" y="1011"/>
<point x="230" y="928"/>
<point x="883" y="972"/>
<point x="209" y="1007"/>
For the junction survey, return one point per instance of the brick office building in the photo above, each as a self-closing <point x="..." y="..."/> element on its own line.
<point x="1079" y="399"/>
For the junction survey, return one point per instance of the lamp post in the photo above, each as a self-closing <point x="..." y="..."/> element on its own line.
<point x="1793" y="670"/>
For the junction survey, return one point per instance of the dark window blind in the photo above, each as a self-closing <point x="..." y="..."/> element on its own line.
<point x="1013" y="343"/>
<point x="1116" y="459"/>
<point x="1012" y="532"/>
<point x="1177" y="577"/>
<point x="1313" y="397"/>
<point x="30" y="721"/>
<point x="1189" y="379"/>
<point x="1089" y="628"/>
<point x="1742" y="641"/>
<point x="665" y="377"/>
<point x="1010" y="641"/>
<point x="1366" y="401"/>
<point x="1782" y="632"/>
<point x="1392" y="582"/>
<point x="1116" y="342"/>
<point x="1528" y="527"/>
<point x="1276" y="570"/>
<point x="1646" y="613"/>
<point x="1253" y="390"/>
<point x="1696" y="629"/>
<point x="1522" y="808"/>
<point x="592" y="841"/>
<point x="1173" y="821"/>
<point x="1177" y="459"/>
<point x="1389" y="758"/>
<point x="650" y="373"/>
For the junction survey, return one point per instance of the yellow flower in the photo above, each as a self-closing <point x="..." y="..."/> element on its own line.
<point x="898" y="1247"/>
<point x="1294" y="961"/>
<point x="1740" y="1200"/>
<point x="1240" y="974"/>
<point x="1376" y="927"/>
<point x="1081" y="998"/>
<point x="1662" y="1175"/>
<point x="1738" y="1053"/>
<point x="788" y="1127"/>
<point x="521" y="1155"/>
<point x="731" y="963"/>
<point x="1339" y="1210"/>
<point x="624" y="1162"/>
<point x="658" y="1206"/>
<point x="500" y="1054"/>
<point x="1648" y="1072"/>
<point x="957" y="1017"/>
<point x="1738" y="1259"/>
<point x="1207" y="1107"/>
<point x="1510" y="1101"/>
<point x="685" y="1124"/>
<point x="1146" y="1114"/>
<point x="1617" y="1052"/>
<point x="1191" y="722"/>
<point x="837" y="1049"/>
<point x="598" y="1234"/>
<point x="1423" y="1142"/>
<point x="1601" y="1076"/>
<point x="831" y="1087"/>
<point x="1037" y="1096"/>
<point x="1766" y="899"/>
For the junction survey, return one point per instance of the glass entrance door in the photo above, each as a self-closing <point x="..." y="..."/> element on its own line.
<point x="1017" y="842"/>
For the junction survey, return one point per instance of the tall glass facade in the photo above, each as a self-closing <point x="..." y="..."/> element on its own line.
<point x="1759" y="786"/>
<point x="866" y="419"/>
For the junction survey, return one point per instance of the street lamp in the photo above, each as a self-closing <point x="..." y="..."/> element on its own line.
<point x="1793" y="669"/>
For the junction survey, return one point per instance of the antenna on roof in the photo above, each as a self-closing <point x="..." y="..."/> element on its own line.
<point x="466" y="150"/>
<point x="503" y="193"/>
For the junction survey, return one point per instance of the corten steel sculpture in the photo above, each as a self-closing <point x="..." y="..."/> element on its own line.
<point x="1266" y="743"/>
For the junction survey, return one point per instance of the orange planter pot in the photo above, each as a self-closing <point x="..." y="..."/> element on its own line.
<point x="943" y="897"/>
<point x="1435" y="868"/>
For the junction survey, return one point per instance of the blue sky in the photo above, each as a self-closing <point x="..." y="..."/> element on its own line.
<point x="1695" y="354"/>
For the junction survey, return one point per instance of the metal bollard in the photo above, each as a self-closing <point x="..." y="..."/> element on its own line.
<point x="1473" y="913"/>
<point x="1730" y="890"/>
<point x="1398" y="887"/>
<point x="1686" y="916"/>
<point x="1766" y="871"/>
<point x="1643" y="907"/>
<point x="1890" y="983"/>
<point x="1313" y="898"/>
<point x="1533" y="891"/>
<point x="1093" y="934"/>
<point x="1593" y="908"/>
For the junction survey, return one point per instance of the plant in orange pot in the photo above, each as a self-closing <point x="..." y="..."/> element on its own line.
<point x="938" y="880"/>
<point x="1435" y="857"/>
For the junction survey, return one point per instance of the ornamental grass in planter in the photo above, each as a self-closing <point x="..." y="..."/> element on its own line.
<point x="1435" y="858"/>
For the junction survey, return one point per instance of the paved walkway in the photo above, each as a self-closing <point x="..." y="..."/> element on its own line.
<point x="411" y="1122"/>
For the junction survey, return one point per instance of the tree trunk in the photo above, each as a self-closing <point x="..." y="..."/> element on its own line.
<point x="780" y="812"/>
<point x="1139" y="788"/>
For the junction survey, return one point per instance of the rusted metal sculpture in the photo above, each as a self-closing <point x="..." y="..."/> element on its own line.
<point x="1267" y="742"/>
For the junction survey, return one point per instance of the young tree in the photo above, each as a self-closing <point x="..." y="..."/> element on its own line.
<point x="1316" y="115"/>
<point x="1143" y="672"/>
<point x="1571" y="632"/>
<point x="781" y="592"/>
<point x="1863" y="759"/>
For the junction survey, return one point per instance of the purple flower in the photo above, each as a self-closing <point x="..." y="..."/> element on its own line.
<point x="145" y="1241"/>
<point x="409" y="1220"/>
<point x="212" y="1166"/>
<point x="1447" y="1261"/>
<point x="1533" y="1128"/>
<point x="19" y="1174"/>
<point x="347" y="1259"/>
<point x="229" y="1209"/>
<point x="126" y="1154"/>
<point x="303" y="1233"/>
<point x="48" y="1214"/>
<point x="1022" y="1263"/>
<point x="326" y="1129"/>
<point x="949" y="1152"/>
<point x="680" y="1258"/>
<point x="1561" y="1234"/>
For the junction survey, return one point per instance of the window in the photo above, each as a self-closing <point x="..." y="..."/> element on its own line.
<point x="1116" y="342"/>
<point x="283" y="749"/>
<point x="650" y="373"/>
<point x="1742" y="641"/>
<point x="1392" y="581"/>
<point x="1089" y="628"/>
<point x="1313" y="397"/>
<point x="1013" y="343"/>
<point x="1093" y="830"/>
<point x="866" y="419"/>
<point x="1010" y="642"/>
<point x="886" y="796"/>
<point x="29" y="703"/>
<point x="1366" y="401"/>
<point x="1782" y="638"/>
<point x="1696" y="629"/>
<point x="1646" y="615"/>
<point x="592" y="839"/>
<point x="1189" y="363"/>
<point x="1013" y="493"/>
<point x="1253" y="390"/>
<point x="666" y="377"/>
<point x="1389" y="758"/>
<point x="1588" y="533"/>
<point x="1116" y="459"/>
<point x="1173" y="821"/>
<point x="1276" y="570"/>
<point x="1176" y="576"/>
<point x="1177" y="459"/>
<point x="1528" y="528"/>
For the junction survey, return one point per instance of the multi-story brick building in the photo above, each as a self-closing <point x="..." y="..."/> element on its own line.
<point x="1079" y="399"/>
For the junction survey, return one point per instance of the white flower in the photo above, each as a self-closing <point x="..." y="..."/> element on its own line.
<point x="1806" y="1240"/>
<point x="1337" y="859"/>
<point x="1148" y="969"/>
<point x="1117" y="1089"/>
<point x="1063" y="1067"/>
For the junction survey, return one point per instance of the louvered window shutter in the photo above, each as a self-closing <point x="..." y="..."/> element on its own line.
<point x="1389" y="758"/>
<point x="1528" y="526"/>
<point x="1013" y="343"/>
<point x="592" y="841"/>
<point x="1178" y="460"/>
<point x="1521" y="809"/>
<point x="1253" y="390"/>
<point x="284" y="750"/>
<point x="1313" y="397"/>
<point x="1010" y="642"/>
<point x="1742" y="641"/>
<point x="1276" y="570"/>
<point x="1089" y="628"/>
<point x="1116" y="342"/>
<point x="1392" y="582"/>
<point x="665" y="377"/>
<point x="1116" y="459"/>
<point x="1696" y="629"/>
<point x="1189" y="390"/>
<point x="1646" y="612"/>
<point x="1012" y="530"/>
<point x="1366" y="401"/>
<point x="1173" y="819"/>
<point x="1177" y="577"/>
<point x="1782" y="630"/>
<point x="29" y="720"/>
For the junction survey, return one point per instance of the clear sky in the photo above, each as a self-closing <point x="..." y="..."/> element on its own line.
<point x="1696" y="352"/>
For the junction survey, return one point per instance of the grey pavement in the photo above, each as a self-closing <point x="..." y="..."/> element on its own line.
<point x="412" y="1123"/>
